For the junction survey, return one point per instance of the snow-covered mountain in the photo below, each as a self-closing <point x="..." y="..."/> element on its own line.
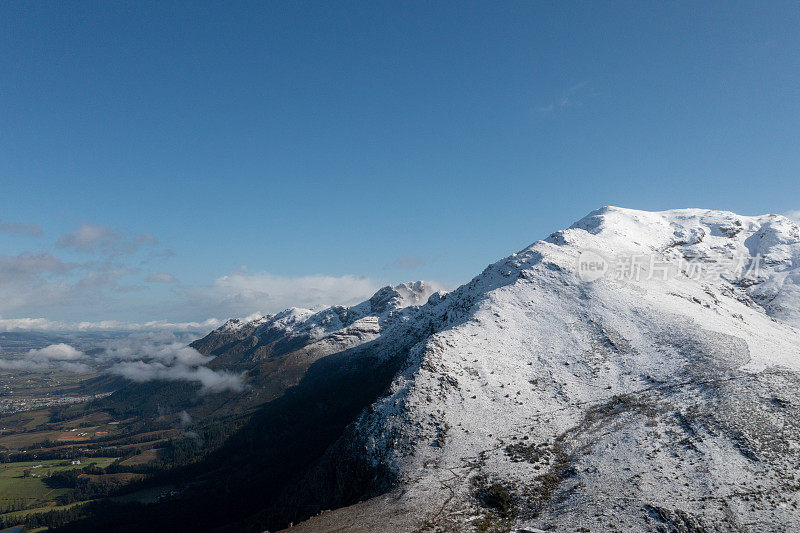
<point x="275" y="351"/>
<point x="637" y="371"/>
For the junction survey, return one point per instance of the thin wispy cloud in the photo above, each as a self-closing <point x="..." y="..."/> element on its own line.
<point x="87" y="238"/>
<point x="794" y="215"/>
<point x="161" y="277"/>
<point x="91" y="238"/>
<point x="20" y="228"/>
<point x="106" y="276"/>
<point x="165" y="253"/>
<point x="572" y="97"/>
<point x="27" y="265"/>
<point x="33" y="365"/>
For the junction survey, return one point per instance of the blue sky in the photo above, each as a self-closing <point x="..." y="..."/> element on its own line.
<point x="180" y="161"/>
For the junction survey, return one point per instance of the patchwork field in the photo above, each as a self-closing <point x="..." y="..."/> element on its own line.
<point x="23" y="484"/>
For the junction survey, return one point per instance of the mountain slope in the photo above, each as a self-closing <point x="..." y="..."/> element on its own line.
<point x="545" y="400"/>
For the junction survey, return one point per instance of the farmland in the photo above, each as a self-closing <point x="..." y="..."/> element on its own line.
<point x="24" y="485"/>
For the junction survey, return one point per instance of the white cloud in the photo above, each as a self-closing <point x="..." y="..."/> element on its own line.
<point x="56" y="352"/>
<point x="165" y="356"/>
<point x="139" y="357"/>
<point x="20" y="228"/>
<point x="164" y="347"/>
<point x="241" y="293"/>
<point x="161" y="277"/>
<point x="794" y="215"/>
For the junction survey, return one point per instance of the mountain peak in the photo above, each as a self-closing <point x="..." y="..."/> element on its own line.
<point x="400" y="296"/>
<point x="542" y="374"/>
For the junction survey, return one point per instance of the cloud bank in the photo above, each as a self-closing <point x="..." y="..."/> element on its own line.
<point x="163" y="356"/>
<point x="43" y="324"/>
<point x="137" y="357"/>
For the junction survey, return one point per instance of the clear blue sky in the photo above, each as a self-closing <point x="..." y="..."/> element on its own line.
<point x="384" y="140"/>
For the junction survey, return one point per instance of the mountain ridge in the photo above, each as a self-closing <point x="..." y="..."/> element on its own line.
<point x="530" y="326"/>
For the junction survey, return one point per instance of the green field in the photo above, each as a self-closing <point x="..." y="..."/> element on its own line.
<point x="16" y="489"/>
<point x="19" y="515"/>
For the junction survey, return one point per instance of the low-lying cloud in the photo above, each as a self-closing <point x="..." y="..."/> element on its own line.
<point x="165" y="347"/>
<point x="62" y="356"/>
<point x="57" y="352"/>
<point x="139" y="357"/>
<point x="210" y="380"/>
<point x="165" y="356"/>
